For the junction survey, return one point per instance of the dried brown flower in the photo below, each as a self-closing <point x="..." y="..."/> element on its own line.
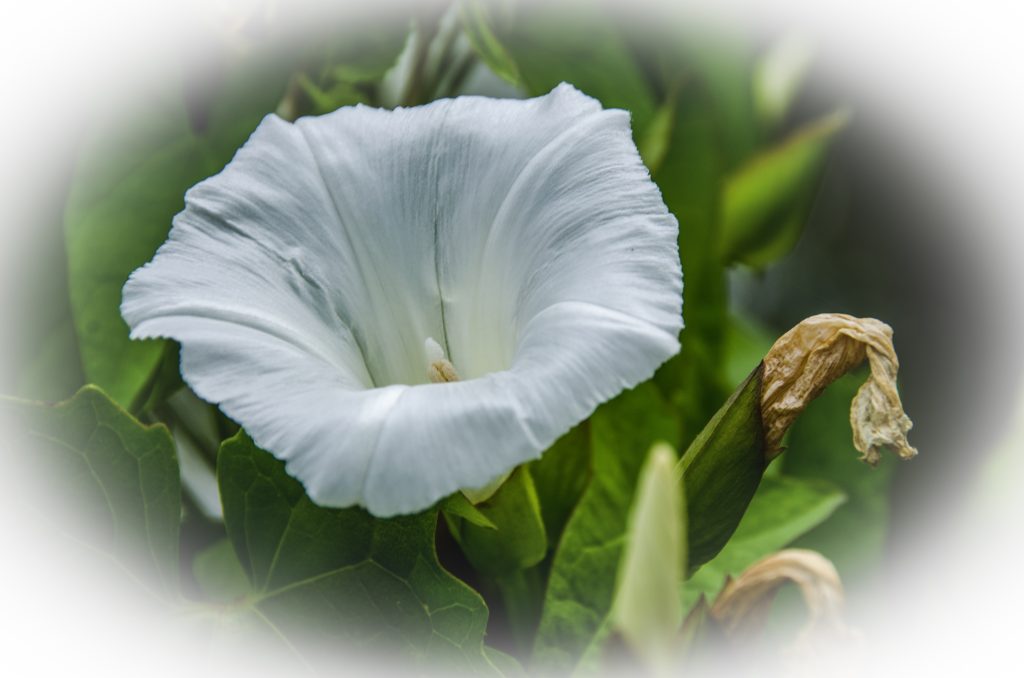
<point x="818" y="351"/>
<point x="742" y="606"/>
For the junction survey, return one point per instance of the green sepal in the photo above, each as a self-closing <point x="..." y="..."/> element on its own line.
<point x="457" y="506"/>
<point x="518" y="539"/>
<point x="722" y="469"/>
<point x="700" y="633"/>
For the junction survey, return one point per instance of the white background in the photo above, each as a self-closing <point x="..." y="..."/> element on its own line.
<point x="949" y="75"/>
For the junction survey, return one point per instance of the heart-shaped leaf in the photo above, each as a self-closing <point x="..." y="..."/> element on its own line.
<point x="326" y="578"/>
<point x="118" y="478"/>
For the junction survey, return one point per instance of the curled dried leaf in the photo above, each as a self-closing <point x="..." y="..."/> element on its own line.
<point x="743" y="605"/>
<point x="818" y="351"/>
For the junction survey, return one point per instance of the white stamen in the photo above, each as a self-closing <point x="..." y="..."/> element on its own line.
<point x="439" y="368"/>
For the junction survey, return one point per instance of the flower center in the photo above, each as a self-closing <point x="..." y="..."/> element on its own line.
<point x="439" y="368"/>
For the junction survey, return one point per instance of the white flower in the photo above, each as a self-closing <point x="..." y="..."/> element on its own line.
<point x="400" y="304"/>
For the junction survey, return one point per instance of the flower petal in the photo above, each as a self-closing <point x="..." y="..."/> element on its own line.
<point x="307" y="281"/>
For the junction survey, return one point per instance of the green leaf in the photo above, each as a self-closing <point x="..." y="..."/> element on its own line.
<point x="522" y="596"/>
<point x="647" y="610"/>
<point x="560" y="477"/>
<point x="783" y="509"/>
<point x="574" y="41"/>
<point x="365" y="53"/>
<point x="54" y="370"/>
<point x="344" y="67"/>
<point x="219" y="574"/>
<point x="233" y="101"/>
<point x="325" y="577"/>
<point x="325" y="100"/>
<point x="654" y="141"/>
<point x="43" y="348"/>
<point x="477" y="18"/>
<point x="723" y="64"/>
<point x="129" y="183"/>
<point x="582" y="581"/>
<point x="820" y="446"/>
<point x="746" y="344"/>
<point x="110" y="232"/>
<point x="519" y="540"/>
<point x="778" y="75"/>
<point x="722" y="469"/>
<point x="766" y="201"/>
<point x="505" y="664"/>
<point x="280" y="535"/>
<point x="119" y="478"/>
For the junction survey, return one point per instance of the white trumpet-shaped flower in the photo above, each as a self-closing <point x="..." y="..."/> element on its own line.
<point x="400" y="304"/>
